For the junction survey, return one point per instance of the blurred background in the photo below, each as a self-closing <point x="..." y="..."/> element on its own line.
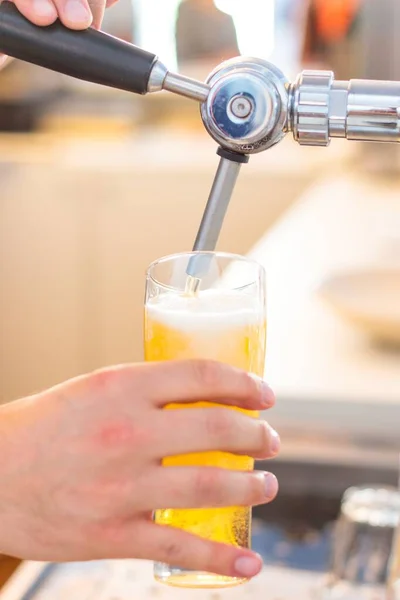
<point x="96" y="183"/>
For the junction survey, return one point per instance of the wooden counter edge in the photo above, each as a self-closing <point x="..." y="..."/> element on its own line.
<point x="8" y="566"/>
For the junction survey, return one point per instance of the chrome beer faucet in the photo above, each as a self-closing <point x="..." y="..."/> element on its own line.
<point x="247" y="105"/>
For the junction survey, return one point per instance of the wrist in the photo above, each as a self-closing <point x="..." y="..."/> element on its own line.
<point x="13" y="482"/>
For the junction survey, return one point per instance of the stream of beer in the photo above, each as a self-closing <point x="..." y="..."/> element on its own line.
<point x="192" y="285"/>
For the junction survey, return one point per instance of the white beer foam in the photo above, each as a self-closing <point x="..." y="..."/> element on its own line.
<point x="208" y="310"/>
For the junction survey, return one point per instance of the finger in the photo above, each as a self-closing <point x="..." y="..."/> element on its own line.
<point x="97" y="7"/>
<point x="196" y="380"/>
<point x="176" y="547"/>
<point x="206" y="429"/>
<point x="110" y="3"/>
<point x="3" y="60"/>
<point x="205" y="487"/>
<point x="39" y="12"/>
<point x="75" y="14"/>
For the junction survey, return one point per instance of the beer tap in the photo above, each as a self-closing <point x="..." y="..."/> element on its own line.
<point x="247" y="105"/>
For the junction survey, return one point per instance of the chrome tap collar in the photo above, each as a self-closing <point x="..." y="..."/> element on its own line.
<point x="246" y="110"/>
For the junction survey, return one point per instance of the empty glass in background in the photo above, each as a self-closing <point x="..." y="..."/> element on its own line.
<point x="393" y="588"/>
<point x="362" y="544"/>
<point x="225" y="321"/>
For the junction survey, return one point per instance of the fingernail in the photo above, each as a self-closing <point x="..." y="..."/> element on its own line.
<point x="268" y="396"/>
<point x="248" y="566"/>
<point x="271" y="485"/>
<point x="44" y="8"/>
<point x="3" y="59"/>
<point x="275" y="441"/>
<point x="78" y="13"/>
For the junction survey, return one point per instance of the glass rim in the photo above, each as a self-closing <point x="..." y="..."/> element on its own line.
<point x="228" y="255"/>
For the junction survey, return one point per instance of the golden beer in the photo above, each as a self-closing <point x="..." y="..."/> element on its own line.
<point x="222" y="325"/>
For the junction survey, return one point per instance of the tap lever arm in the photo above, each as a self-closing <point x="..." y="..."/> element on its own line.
<point x="90" y="55"/>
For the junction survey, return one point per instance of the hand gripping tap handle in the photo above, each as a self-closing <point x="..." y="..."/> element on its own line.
<point x="89" y="55"/>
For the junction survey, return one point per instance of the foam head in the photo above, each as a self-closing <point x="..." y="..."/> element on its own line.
<point x="207" y="310"/>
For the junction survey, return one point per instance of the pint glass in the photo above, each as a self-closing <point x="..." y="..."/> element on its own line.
<point x="223" y="320"/>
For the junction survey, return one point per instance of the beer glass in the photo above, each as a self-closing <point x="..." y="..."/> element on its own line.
<point x="222" y="318"/>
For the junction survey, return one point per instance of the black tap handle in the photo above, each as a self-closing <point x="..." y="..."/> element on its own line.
<point x="89" y="55"/>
